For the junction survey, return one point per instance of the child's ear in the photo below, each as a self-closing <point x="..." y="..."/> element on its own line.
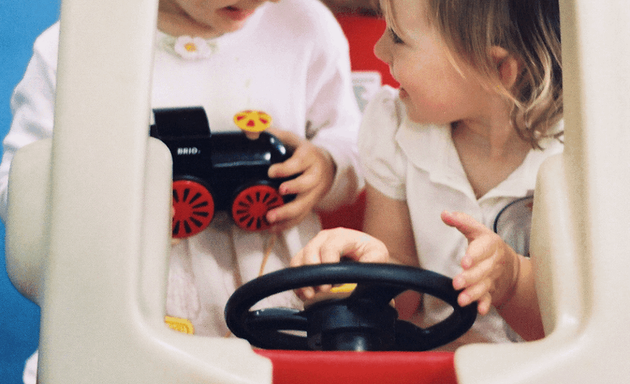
<point x="508" y="66"/>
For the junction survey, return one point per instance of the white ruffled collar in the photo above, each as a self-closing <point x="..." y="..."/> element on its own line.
<point x="431" y="148"/>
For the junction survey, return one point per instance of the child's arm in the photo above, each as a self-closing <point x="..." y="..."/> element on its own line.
<point x="495" y="275"/>
<point x="326" y="151"/>
<point x="32" y="105"/>
<point x="332" y="114"/>
<point x="388" y="220"/>
<point x="391" y="239"/>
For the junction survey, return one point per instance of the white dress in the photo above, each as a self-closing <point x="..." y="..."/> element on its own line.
<point x="420" y="165"/>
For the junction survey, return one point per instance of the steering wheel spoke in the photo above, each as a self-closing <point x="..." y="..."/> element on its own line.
<point x="269" y="325"/>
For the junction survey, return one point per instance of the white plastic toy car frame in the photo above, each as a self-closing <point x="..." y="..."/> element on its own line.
<point x="579" y="234"/>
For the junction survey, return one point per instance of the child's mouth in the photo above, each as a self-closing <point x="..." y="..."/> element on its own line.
<point x="237" y="14"/>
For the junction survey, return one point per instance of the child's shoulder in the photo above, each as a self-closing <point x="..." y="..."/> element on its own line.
<point x="47" y="44"/>
<point x="386" y="109"/>
<point x="382" y="119"/>
<point x="49" y="36"/>
<point x="305" y="10"/>
<point x="381" y="156"/>
<point x="386" y="128"/>
<point x="385" y="106"/>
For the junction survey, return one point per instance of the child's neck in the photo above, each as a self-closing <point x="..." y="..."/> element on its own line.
<point x="489" y="154"/>
<point x="177" y="25"/>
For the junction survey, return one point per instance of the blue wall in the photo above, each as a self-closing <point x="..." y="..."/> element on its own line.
<point x="20" y="23"/>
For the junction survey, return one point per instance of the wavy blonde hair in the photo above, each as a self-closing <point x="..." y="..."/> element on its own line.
<point x="530" y="31"/>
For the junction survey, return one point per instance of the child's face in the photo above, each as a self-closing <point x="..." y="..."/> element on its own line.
<point x="208" y="17"/>
<point x="432" y="88"/>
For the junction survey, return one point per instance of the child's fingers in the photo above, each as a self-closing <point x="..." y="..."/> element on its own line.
<point x="480" y="249"/>
<point x="367" y="249"/>
<point x="472" y="276"/>
<point x="331" y="252"/>
<point x="292" y="166"/>
<point x="480" y="271"/>
<point x="289" y="139"/>
<point x="300" y="206"/>
<point x="459" y="282"/>
<point x="464" y="223"/>
<point x="483" y="304"/>
<point x="327" y="247"/>
<point x="475" y="292"/>
<point x="308" y="293"/>
<point x="302" y="158"/>
<point x="305" y="293"/>
<point x="308" y="180"/>
<point x="309" y="255"/>
<point x="354" y="245"/>
<point x="330" y="245"/>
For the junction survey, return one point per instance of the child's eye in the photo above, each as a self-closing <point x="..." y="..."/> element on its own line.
<point x="395" y="38"/>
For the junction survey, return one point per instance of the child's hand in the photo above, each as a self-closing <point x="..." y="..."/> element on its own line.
<point x="317" y="172"/>
<point x="491" y="267"/>
<point x="332" y="244"/>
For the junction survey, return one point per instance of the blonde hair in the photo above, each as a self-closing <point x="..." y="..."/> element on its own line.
<point x="530" y="31"/>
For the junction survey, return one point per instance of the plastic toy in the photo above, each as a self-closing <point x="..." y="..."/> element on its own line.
<point x="223" y="171"/>
<point x="362" y="321"/>
<point x="252" y="122"/>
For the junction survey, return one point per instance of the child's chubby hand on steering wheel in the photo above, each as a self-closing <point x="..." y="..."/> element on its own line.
<point x="331" y="245"/>
<point x="316" y="170"/>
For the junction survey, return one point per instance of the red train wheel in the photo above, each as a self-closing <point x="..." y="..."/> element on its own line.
<point x="194" y="208"/>
<point x="252" y="204"/>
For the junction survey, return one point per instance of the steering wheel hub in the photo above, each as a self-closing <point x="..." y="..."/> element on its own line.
<point x="348" y="324"/>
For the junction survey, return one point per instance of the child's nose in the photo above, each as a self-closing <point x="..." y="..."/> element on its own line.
<point x="380" y="49"/>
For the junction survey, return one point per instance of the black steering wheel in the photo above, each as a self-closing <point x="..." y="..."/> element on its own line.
<point x="362" y="321"/>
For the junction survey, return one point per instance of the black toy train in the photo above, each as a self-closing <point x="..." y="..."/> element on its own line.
<point x="222" y="171"/>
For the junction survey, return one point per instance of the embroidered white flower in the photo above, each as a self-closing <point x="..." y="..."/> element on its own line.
<point x="192" y="48"/>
